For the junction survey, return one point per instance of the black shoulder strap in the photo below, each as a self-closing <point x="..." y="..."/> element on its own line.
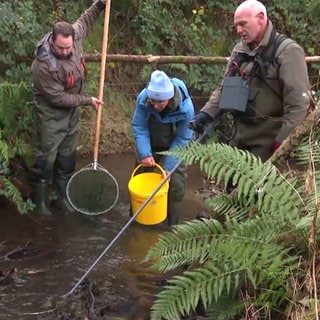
<point x="236" y="63"/>
<point x="268" y="55"/>
<point x="263" y="61"/>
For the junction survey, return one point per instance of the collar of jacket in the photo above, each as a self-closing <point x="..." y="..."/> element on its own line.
<point x="174" y="101"/>
<point x="244" y="48"/>
<point x="44" y="52"/>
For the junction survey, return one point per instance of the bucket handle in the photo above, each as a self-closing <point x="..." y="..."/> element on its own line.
<point x="156" y="165"/>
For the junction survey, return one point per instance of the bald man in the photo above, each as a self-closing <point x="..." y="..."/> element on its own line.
<point x="267" y="98"/>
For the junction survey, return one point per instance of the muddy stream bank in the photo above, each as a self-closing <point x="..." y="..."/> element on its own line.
<point x="42" y="258"/>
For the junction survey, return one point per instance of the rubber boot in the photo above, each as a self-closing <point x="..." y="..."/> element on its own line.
<point x="62" y="201"/>
<point x="40" y="198"/>
<point x="173" y="213"/>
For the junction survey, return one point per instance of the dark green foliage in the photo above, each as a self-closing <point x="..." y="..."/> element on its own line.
<point x="184" y="28"/>
<point x="19" y="30"/>
<point x="206" y="28"/>
<point x="16" y="118"/>
<point x="7" y="188"/>
<point x="252" y="254"/>
<point x="15" y="138"/>
<point x="158" y="27"/>
<point x="10" y="192"/>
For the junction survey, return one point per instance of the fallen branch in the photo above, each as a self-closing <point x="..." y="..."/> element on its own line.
<point x="19" y="251"/>
<point x="156" y="59"/>
<point x="91" y="57"/>
<point x="295" y="137"/>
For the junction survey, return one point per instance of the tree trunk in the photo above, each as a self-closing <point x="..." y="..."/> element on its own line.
<point x="295" y="137"/>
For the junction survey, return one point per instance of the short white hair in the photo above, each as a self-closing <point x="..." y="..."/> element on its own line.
<point x="254" y="6"/>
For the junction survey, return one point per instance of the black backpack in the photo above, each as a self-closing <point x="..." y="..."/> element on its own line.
<point x="264" y="60"/>
<point x="236" y="92"/>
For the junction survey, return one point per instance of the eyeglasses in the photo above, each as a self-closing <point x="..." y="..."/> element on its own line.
<point x="153" y="102"/>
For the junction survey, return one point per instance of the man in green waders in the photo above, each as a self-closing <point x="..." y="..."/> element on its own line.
<point x="266" y="85"/>
<point x="59" y="76"/>
<point x="160" y="123"/>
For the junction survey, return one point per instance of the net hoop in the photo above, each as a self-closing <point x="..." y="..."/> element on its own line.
<point x="92" y="190"/>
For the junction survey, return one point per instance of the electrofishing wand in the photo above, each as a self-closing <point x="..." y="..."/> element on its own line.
<point x="208" y="132"/>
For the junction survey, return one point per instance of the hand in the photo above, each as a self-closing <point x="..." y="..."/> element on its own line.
<point x="95" y="102"/>
<point x="148" y="162"/>
<point x="199" y="122"/>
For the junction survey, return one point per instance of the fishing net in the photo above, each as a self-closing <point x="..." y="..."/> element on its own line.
<point x="93" y="191"/>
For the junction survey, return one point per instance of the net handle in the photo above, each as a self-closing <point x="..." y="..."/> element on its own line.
<point x="102" y="76"/>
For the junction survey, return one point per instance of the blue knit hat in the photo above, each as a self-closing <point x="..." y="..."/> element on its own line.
<point x="160" y="86"/>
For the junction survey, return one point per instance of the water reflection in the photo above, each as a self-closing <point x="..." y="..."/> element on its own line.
<point x="61" y="248"/>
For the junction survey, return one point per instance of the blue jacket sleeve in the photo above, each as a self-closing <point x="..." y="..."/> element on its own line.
<point x="140" y="127"/>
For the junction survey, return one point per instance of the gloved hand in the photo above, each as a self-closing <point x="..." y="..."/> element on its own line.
<point x="101" y="4"/>
<point x="275" y="145"/>
<point x="199" y="122"/>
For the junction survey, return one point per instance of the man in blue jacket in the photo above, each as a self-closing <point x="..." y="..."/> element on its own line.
<point x="160" y="123"/>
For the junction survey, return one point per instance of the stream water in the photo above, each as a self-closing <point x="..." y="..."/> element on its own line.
<point x="46" y="256"/>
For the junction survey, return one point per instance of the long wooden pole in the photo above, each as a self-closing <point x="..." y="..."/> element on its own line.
<point x="101" y="83"/>
<point x="155" y="59"/>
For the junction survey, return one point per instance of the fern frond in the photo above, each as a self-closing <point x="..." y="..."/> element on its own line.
<point x="308" y="145"/>
<point x="220" y="277"/>
<point x="200" y="241"/>
<point x="225" y="309"/>
<point x="9" y="190"/>
<point x="4" y="149"/>
<point x="190" y="154"/>
<point x="226" y="206"/>
<point x="183" y="293"/>
<point x="187" y="243"/>
<point x="265" y="230"/>
<point x="259" y="185"/>
<point x="21" y="149"/>
<point x="11" y="116"/>
<point x="9" y="91"/>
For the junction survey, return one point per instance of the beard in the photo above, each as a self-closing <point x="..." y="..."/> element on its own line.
<point x="60" y="56"/>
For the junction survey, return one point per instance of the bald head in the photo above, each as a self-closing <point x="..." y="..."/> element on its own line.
<point x="252" y="6"/>
<point x="250" y="21"/>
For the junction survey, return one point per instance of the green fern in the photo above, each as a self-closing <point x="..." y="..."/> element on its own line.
<point x="226" y="309"/>
<point x="15" y="108"/>
<point x="230" y="260"/>
<point x="15" y="138"/>
<point x="256" y="248"/>
<point x="22" y="150"/>
<point x="259" y="186"/>
<point x="227" y="256"/>
<point x="4" y="149"/>
<point x="9" y="191"/>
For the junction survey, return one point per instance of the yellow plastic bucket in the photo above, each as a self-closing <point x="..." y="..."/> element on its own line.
<point x="141" y="186"/>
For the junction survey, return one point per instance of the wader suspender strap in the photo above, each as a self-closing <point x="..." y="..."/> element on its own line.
<point x="262" y="61"/>
<point x="268" y="57"/>
<point x="235" y="68"/>
<point x="265" y="57"/>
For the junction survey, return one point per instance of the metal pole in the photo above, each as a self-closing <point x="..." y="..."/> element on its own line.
<point x="208" y="132"/>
